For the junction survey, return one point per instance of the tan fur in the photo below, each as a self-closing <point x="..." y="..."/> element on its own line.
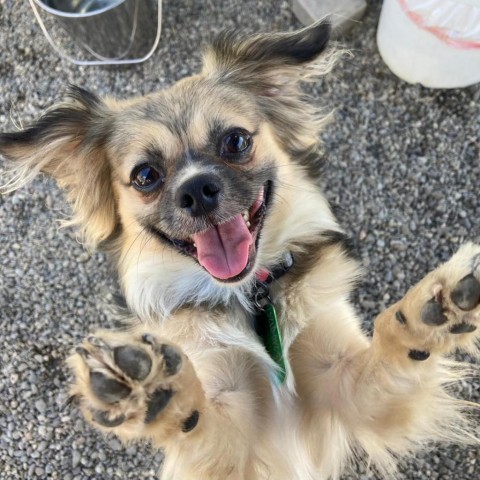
<point x="346" y="396"/>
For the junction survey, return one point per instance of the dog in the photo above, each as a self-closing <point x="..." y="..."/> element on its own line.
<point x="244" y="358"/>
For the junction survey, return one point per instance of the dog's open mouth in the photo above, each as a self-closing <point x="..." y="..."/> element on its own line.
<point x="228" y="250"/>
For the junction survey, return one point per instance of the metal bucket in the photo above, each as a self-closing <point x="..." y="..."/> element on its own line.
<point x="107" y="31"/>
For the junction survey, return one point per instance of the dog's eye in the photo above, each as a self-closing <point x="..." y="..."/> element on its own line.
<point x="146" y="178"/>
<point x="235" y="143"/>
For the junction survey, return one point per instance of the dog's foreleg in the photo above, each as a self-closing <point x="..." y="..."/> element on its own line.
<point x="140" y="386"/>
<point x="386" y="396"/>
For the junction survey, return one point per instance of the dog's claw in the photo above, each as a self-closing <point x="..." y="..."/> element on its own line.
<point x="150" y="340"/>
<point x="96" y="342"/>
<point x="83" y="352"/>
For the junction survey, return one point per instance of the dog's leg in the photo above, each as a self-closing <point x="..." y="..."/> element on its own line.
<point x="139" y="386"/>
<point x="387" y="395"/>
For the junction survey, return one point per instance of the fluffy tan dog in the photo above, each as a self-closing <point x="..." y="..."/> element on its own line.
<point x="246" y="359"/>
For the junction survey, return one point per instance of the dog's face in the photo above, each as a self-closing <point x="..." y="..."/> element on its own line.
<point x="196" y="174"/>
<point x="190" y="185"/>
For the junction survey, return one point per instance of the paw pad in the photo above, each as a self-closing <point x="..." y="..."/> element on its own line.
<point x="418" y="355"/>
<point x="463" y="327"/>
<point x="400" y="317"/>
<point x="191" y="422"/>
<point x="133" y="361"/>
<point x="172" y="359"/>
<point x="433" y="314"/>
<point x="466" y="295"/>
<point x="107" y="389"/>
<point x="97" y="342"/>
<point x="158" y="401"/>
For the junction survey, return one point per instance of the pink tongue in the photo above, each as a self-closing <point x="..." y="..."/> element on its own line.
<point x="223" y="249"/>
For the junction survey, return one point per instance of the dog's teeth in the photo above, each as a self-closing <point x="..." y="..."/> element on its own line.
<point x="194" y="244"/>
<point x="248" y="224"/>
<point x="246" y="215"/>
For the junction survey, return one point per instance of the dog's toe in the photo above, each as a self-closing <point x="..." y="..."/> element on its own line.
<point x="105" y="419"/>
<point x="466" y="294"/>
<point x="172" y="359"/>
<point x="108" y="389"/>
<point x="433" y="314"/>
<point x="133" y="361"/>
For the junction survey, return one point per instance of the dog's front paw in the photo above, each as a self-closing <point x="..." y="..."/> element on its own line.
<point x="441" y="313"/>
<point x="137" y="387"/>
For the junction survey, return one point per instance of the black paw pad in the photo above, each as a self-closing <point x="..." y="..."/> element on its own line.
<point x="191" y="422"/>
<point x="418" y="355"/>
<point x="463" y="328"/>
<point x="466" y="295"/>
<point x="158" y="401"/>
<point x="107" y="389"/>
<point x="133" y="361"/>
<point x="172" y="359"/>
<point x="432" y="313"/>
<point x="400" y="317"/>
<point x="103" y="419"/>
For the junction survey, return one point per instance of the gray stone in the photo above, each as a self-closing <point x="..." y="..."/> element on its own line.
<point x="41" y="406"/>
<point x="390" y="146"/>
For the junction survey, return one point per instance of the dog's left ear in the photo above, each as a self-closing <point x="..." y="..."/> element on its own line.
<point x="266" y="64"/>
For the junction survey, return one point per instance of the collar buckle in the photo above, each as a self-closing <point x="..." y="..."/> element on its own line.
<point x="260" y="295"/>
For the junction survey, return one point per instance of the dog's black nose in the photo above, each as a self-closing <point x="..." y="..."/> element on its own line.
<point x="199" y="195"/>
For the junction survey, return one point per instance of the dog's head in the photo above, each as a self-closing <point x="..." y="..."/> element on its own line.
<point x="198" y="187"/>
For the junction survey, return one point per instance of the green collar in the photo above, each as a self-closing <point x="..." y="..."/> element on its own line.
<point x="265" y="321"/>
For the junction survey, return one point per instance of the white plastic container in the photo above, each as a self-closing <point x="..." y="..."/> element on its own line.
<point x="432" y="42"/>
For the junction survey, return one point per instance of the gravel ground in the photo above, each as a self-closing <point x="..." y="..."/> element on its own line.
<point x="404" y="169"/>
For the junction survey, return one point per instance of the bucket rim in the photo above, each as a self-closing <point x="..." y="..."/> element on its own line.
<point x="59" y="13"/>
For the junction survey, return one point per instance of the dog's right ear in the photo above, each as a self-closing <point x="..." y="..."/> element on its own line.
<point x="69" y="143"/>
<point x="268" y="64"/>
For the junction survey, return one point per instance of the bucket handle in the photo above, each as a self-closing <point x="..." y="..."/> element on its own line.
<point x="102" y="60"/>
